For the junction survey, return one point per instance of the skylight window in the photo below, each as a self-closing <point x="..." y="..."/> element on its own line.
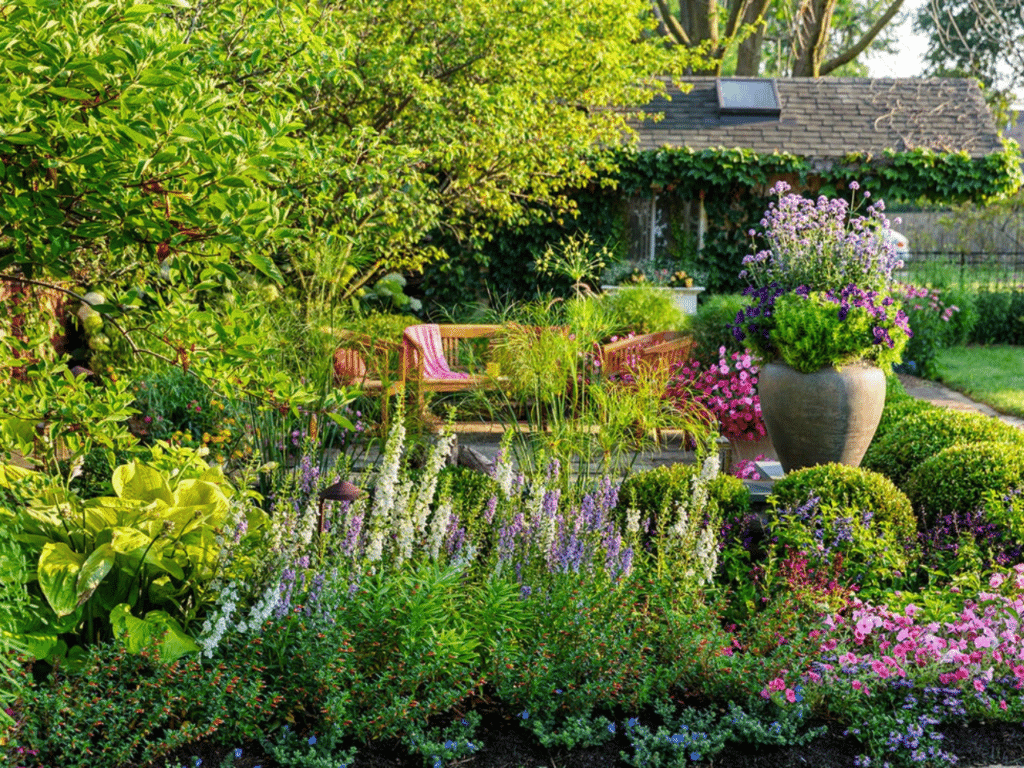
<point x="748" y="97"/>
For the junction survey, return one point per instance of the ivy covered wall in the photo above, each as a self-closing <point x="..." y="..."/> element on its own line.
<point x="734" y="184"/>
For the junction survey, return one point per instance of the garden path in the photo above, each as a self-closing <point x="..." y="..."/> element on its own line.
<point x="934" y="392"/>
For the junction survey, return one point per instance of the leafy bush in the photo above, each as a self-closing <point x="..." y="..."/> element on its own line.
<point x="833" y="509"/>
<point x="653" y="490"/>
<point x="122" y="708"/>
<point x="644" y="310"/>
<point x="896" y="410"/>
<point x="924" y="434"/>
<point x="958" y="478"/>
<point x="711" y="327"/>
<point x="1000" y="318"/>
<point x="134" y="565"/>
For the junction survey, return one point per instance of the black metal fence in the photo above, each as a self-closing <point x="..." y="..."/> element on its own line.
<point x="981" y="270"/>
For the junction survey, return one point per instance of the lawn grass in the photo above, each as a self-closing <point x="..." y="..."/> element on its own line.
<point x="993" y="375"/>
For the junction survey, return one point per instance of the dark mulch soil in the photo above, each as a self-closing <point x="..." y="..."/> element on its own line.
<point x="508" y="745"/>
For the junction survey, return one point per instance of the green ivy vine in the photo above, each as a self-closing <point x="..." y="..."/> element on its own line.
<point x="734" y="184"/>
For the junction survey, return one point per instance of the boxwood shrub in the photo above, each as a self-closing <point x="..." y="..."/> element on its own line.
<point x="663" y="487"/>
<point x="922" y="435"/>
<point x="896" y="411"/>
<point x="958" y="478"/>
<point x="847" y="521"/>
<point x="854" y="489"/>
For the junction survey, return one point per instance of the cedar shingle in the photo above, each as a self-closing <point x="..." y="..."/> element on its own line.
<point x="825" y="119"/>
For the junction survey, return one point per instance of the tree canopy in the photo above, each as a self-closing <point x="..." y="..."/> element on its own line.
<point x="235" y="133"/>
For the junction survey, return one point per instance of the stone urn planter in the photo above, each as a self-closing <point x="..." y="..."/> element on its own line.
<point x="821" y="417"/>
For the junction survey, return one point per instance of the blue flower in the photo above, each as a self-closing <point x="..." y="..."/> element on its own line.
<point x="524" y="714"/>
<point x="558" y="690"/>
<point x="312" y="740"/>
<point x="695" y="756"/>
<point x="611" y="727"/>
<point x="450" y="744"/>
<point x="632" y="722"/>
<point x="238" y="753"/>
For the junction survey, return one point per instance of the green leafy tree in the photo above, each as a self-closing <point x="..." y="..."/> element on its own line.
<point x="298" y="139"/>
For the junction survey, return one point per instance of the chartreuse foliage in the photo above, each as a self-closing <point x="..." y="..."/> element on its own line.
<point x="134" y="565"/>
<point x="115" y="149"/>
<point x="810" y="334"/>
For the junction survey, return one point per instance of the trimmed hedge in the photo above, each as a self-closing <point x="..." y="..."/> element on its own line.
<point x="853" y="488"/>
<point x="958" y="478"/>
<point x="922" y="435"/>
<point x="848" y="517"/>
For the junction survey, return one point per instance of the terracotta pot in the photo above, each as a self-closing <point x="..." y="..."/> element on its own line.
<point x="821" y="417"/>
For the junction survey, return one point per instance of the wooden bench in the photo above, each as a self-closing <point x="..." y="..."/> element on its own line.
<point x="451" y="359"/>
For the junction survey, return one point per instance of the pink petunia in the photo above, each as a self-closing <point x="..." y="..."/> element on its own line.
<point x="791" y="696"/>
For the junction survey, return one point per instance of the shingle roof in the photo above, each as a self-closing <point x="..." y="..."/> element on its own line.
<point x="825" y="119"/>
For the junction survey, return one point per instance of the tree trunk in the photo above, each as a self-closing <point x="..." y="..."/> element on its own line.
<point x="748" y="53"/>
<point x="815" y="22"/>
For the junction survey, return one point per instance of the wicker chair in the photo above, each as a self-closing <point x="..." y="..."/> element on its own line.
<point x="369" y="365"/>
<point x="625" y="355"/>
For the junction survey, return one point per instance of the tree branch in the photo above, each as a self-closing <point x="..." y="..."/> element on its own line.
<point x="670" y="23"/>
<point x="866" y="39"/>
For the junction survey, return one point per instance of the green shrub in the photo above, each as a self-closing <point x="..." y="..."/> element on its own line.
<point x="896" y="411"/>
<point x="922" y="435"/>
<point x="712" y="327"/>
<point x="1000" y="315"/>
<point x="663" y="487"/>
<point x="470" y="491"/>
<point x="860" y="516"/>
<point x="119" y="708"/>
<point x="958" y="478"/>
<point x="852" y="488"/>
<point x="644" y="310"/>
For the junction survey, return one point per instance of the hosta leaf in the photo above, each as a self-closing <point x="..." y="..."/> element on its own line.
<point x="158" y="625"/>
<point x="58" y="571"/>
<point x="96" y="566"/>
<point x="138" y="481"/>
<point x="199" y="493"/>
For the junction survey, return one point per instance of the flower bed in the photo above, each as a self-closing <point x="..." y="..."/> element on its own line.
<point x="422" y="622"/>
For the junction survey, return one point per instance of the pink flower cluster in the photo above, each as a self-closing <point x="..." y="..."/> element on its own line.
<point x="728" y="389"/>
<point x="978" y="650"/>
<point x="917" y="298"/>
